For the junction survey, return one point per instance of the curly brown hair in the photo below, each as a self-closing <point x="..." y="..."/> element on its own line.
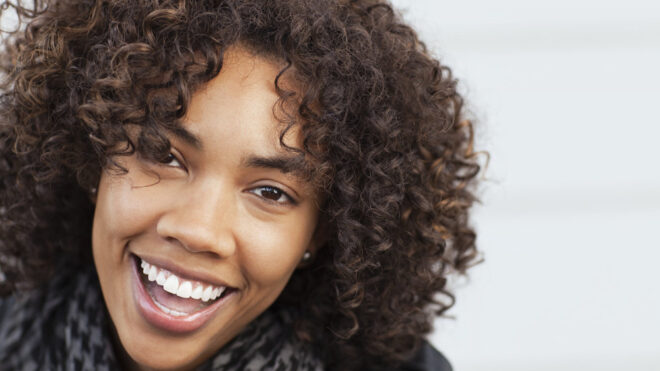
<point x="380" y="117"/>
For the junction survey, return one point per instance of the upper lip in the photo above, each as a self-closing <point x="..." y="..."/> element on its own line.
<point x="182" y="272"/>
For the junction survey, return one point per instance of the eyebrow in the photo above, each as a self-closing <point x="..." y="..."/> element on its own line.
<point x="286" y="164"/>
<point x="295" y="165"/>
<point x="186" y="136"/>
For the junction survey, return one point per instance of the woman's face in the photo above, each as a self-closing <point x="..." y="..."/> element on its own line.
<point x="223" y="221"/>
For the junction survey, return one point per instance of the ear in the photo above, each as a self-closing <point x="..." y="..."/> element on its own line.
<point x="92" y="195"/>
<point x="318" y="240"/>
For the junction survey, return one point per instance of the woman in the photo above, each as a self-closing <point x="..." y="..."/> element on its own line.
<point x="265" y="185"/>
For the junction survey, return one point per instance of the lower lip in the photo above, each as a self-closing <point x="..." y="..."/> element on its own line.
<point x="168" y="322"/>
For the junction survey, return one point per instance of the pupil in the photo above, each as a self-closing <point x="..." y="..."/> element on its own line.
<point x="271" y="193"/>
<point x="168" y="158"/>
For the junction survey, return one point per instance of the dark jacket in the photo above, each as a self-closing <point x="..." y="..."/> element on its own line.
<point x="427" y="359"/>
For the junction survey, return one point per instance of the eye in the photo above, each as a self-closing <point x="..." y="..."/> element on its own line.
<point x="273" y="194"/>
<point x="172" y="161"/>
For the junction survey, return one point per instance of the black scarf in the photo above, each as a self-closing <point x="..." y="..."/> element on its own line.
<point x="65" y="326"/>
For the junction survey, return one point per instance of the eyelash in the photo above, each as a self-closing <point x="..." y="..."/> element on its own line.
<point x="170" y="158"/>
<point x="277" y="191"/>
<point x="288" y="199"/>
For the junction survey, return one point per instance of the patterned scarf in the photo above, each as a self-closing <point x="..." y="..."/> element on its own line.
<point x="65" y="326"/>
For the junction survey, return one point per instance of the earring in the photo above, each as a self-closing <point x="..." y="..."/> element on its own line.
<point x="93" y="190"/>
<point x="306" y="256"/>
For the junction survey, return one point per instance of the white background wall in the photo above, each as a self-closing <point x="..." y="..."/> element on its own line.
<point x="566" y="94"/>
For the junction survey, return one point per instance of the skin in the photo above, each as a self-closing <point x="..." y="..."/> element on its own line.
<point x="210" y="212"/>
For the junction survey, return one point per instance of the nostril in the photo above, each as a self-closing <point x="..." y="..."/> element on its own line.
<point x="189" y="232"/>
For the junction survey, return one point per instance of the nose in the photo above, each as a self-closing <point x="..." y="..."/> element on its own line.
<point x="200" y="219"/>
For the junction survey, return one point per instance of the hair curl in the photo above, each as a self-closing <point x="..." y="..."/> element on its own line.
<point x="380" y="117"/>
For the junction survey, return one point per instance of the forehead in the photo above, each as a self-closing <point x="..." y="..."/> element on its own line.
<point x="242" y="99"/>
<point x="237" y="118"/>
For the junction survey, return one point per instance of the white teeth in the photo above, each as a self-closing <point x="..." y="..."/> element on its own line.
<point x="160" y="279"/>
<point x="168" y="310"/>
<point x="207" y="293"/>
<point x="153" y="272"/>
<point x="185" y="289"/>
<point x="171" y="285"/>
<point x="177" y="286"/>
<point x="217" y="292"/>
<point x="197" y="292"/>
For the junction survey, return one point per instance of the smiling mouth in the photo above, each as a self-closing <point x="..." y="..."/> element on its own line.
<point x="176" y="295"/>
<point x="175" y="303"/>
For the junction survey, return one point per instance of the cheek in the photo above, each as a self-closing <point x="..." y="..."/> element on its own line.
<point x="122" y="208"/>
<point x="271" y="251"/>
